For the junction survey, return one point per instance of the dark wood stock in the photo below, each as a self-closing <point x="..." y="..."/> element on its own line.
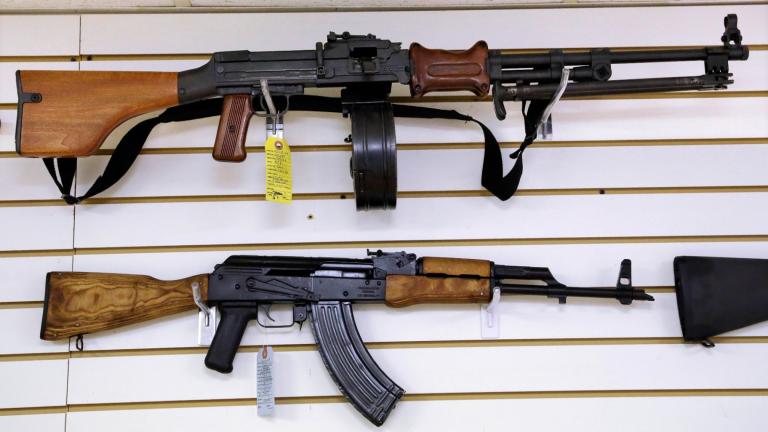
<point x="403" y="290"/>
<point x="77" y="110"/>
<point x="233" y="128"/>
<point x="442" y="70"/>
<point x="80" y="303"/>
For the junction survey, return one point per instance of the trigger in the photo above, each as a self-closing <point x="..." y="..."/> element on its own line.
<point x="267" y="308"/>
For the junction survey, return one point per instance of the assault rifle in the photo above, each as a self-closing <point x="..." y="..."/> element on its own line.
<point x="68" y="114"/>
<point x="321" y="289"/>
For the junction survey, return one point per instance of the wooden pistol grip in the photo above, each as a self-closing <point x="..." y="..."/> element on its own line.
<point x="233" y="128"/>
<point x="442" y="70"/>
<point x="404" y="290"/>
<point x="71" y="113"/>
<point x="80" y="303"/>
<point x="456" y="267"/>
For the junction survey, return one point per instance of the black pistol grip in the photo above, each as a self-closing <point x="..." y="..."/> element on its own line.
<point x="228" y="335"/>
<point x="350" y="364"/>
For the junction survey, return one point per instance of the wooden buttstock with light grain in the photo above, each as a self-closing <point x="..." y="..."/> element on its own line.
<point x="405" y="290"/>
<point x="71" y="113"/>
<point x="79" y="303"/>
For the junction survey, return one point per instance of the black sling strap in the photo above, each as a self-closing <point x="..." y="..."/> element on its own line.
<point x="63" y="170"/>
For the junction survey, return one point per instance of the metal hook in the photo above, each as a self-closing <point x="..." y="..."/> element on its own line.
<point x="198" y="299"/>
<point x="274" y="117"/>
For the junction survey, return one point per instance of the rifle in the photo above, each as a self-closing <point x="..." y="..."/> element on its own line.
<point x="322" y="290"/>
<point x="69" y="114"/>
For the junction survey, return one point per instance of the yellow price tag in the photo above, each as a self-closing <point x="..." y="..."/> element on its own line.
<point x="279" y="179"/>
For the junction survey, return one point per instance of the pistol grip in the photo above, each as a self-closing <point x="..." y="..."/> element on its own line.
<point x="228" y="335"/>
<point x="233" y="127"/>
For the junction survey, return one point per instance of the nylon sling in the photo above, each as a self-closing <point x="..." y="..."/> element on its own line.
<point x="63" y="170"/>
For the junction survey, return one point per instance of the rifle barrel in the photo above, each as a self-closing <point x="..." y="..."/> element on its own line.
<point x="640" y="56"/>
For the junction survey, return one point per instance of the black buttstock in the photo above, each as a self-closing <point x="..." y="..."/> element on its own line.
<point x="228" y="335"/>
<point x="350" y="364"/>
<point x="717" y="295"/>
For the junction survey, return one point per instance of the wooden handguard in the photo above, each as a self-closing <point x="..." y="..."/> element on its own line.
<point x="442" y="70"/>
<point x="456" y="267"/>
<point x="233" y="128"/>
<point x="79" y="303"/>
<point x="404" y="290"/>
<point x="70" y="113"/>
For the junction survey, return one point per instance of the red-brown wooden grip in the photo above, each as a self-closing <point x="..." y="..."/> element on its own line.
<point x="442" y="70"/>
<point x="233" y="127"/>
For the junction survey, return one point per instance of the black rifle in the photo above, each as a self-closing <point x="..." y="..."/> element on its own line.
<point x="323" y="289"/>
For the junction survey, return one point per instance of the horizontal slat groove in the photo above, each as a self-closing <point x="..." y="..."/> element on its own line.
<point x="459" y="146"/>
<point x="634" y="96"/>
<point x="409" y="397"/>
<point x="21" y="305"/>
<point x="33" y="357"/>
<point x="400" y="345"/>
<point x="33" y="410"/>
<point x="414" y="397"/>
<point x="183" y="8"/>
<point x="387" y="244"/>
<point x="401" y="194"/>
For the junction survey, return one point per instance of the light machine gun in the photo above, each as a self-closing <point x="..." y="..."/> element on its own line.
<point x="68" y="114"/>
<point x="321" y="289"/>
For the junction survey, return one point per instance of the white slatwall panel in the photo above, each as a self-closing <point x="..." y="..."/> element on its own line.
<point x="26" y="335"/>
<point x="546" y="415"/>
<point x="51" y="225"/>
<point x="441" y="170"/>
<point x="23" y="278"/>
<point x="96" y="378"/>
<point x="33" y="383"/>
<point x="7" y="127"/>
<point x="534" y="28"/>
<point x="25" y="179"/>
<point x="471" y="369"/>
<point x="8" y="70"/>
<point x="37" y="422"/>
<point x="239" y="222"/>
<point x="21" y="35"/>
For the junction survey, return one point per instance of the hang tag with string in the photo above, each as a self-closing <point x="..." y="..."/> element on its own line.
<point x="265" y="392"/>
<point x="279" y="175"/>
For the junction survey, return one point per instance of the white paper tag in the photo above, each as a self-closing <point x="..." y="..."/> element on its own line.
<point x="490" y="317"/>
<point x="265" y="393"/>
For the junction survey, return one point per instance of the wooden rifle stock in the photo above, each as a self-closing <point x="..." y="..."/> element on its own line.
<point x="80" y="303"/>
<point x="71" y="113"/>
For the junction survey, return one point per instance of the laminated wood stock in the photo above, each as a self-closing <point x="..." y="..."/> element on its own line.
<point x="71" y="113"/>
<point x="79" y="303"/>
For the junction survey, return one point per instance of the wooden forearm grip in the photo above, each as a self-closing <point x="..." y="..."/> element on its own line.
<point x="456" y="267"/>
<point x="71" y="113"/>
<point x="403" y="290"/>
<point x="233" y="128"/>
<point x="79" y="303"/>
<point x="442" y="70"/>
